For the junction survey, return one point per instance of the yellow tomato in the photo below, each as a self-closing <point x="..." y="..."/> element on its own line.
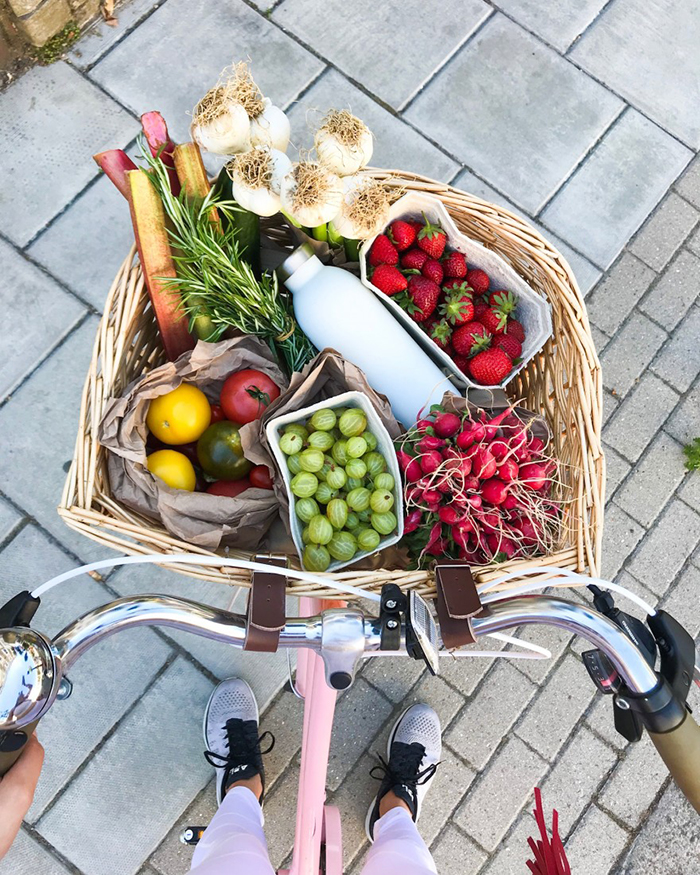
<point x="179" y="417"/>
<point x="173" y="468"/>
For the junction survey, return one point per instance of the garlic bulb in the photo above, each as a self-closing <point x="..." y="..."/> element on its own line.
<point x="311" y="194"/>
<point x="256" y="178"/>
<point x="270" y="128"/>
<point x="343" y="143"/>
<point x="364" y="210"/>
<point x="220" y="125"/>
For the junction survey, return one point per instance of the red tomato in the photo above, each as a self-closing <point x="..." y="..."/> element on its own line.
<point x="246" y="394"/>
<point x="260" y="477"/>
<point x="231" y="488"/>
<point x="217" y="413"/>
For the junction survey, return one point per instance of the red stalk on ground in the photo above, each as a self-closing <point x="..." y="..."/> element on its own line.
<point x="115" y="164"/>
<point x="156" y="132"/>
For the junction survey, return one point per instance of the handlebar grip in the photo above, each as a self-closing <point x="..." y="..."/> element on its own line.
<point x="12" y="744"/>
<point x="680" y="750"/>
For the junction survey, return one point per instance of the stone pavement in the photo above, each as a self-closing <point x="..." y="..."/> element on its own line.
<point x="581" y="115"/>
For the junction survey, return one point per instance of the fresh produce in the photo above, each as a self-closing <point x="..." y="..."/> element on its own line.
<point x="343" y="143"/>
<point x="155" y="131"/>
<point x="230" y="488"/>
<point x="217" y="413"/>
<point x="246" y="394"/>
<point x="173" y="468"/>
<point x="389" y="279"/>
<point x="478" y="487"/>
<point x="220" y="452"/>
<point x="383" y="251"/>
<point x="344" y="496"/>
<point x="115" y="164"/>
<point x="256" y="179"/>
<point x="310" y="194"/>
<point x="180" y="416"/>
<point x="431" y="239"/>
<point x="260" y="477"/>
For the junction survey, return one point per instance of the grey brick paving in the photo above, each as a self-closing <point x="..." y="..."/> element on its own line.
<point x="620" y="535"/>
<point x="654" y="480"/>
<point x="513" y="850"/>
<point x="454" y="853"/>
<point x="669" y="300"/>
<point x="559" y="25"/>
<point x="639" y="416"/>
<point x="689" y="183"/>
<point x="616" y="295"/>
<point x="9" y="519"/>
<point x="28" y="857"/>
<point x="679" y="361"/>
<point x="596" y="844"/>
<point x="626" y="798"/>
<point x="617" y="469"/>
<point x="684" y="424"/>
<point x="662" y="235"/>
<point x="630" y="352"/>
<point x="664" y="550"/>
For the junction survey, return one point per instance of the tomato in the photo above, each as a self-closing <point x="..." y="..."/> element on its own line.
<point x="220" y="452"/>
<point x="217" y="413"/>
<point x="230" y="488"/>
<point x="260" y="477"/>
<point x="173" y="468"/>
<point x="246" y="394"/>
<point x="180" y="416"/>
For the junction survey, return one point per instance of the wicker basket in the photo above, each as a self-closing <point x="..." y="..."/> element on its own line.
<point x="563" y="382"/>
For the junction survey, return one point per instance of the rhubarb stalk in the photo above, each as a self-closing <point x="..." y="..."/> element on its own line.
<point x="115" y="164"/>
<point x="148" y="218"/>
<point x="159" y="142"/>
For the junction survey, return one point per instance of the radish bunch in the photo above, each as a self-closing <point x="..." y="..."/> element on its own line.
<point x="477" y="487"/>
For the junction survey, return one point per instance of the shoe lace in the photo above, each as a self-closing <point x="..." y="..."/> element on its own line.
<point x="404" y="769"/>
<point x="243" y="744"/>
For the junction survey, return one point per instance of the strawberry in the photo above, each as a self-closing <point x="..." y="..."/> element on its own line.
<point x="424" y="294"/>
<point x="383" y="251"/>
<point x="433" y="270"/>
<point x="480" y="307"/>
<point x="509" y="344"/>
<point x="389" y="279"/>
<point x="494" y="320"/>
<point x="478" y="280"/>
<point x="414" y="259"/>
<point x="439" y="331"/>
<point x="455" y="265"/>
<point x="458" y="307"/>
<point x="516" y="330"/>
<point x="415" y="224"/>
<point x="504" y="301"/>
<point x="432" y="239"/>
<point x="462" y="362"/>
<point x="465" y="337"/>
<point x="490" y="367"/>
<point x="401" y="234"/>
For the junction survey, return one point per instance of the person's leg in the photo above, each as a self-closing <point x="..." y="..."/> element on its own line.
<point x="234" y="840"/>
<point x="413" y="754"/>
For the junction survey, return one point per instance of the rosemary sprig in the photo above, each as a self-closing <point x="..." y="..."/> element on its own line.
<point x="214" y="280"/>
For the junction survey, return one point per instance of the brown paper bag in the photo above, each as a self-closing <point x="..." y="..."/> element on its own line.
<point x="208" y="521"/>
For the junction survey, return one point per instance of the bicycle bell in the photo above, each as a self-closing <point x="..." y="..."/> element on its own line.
<point x="29" y="678"/>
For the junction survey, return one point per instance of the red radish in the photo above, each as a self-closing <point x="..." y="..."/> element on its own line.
<point x="410" y="466"/>
<point x="449" y="515"/>
<point x="489" y="519"/>
<point x="494" y="491"/>
<point x="499" y="449"/>
<point x="430" y="442"/>
<point x="508" y="469"/>
<point x="499" y="544"/>
<point x="430" y="461"/>
<point x="475" y="501"/>
<point x="434" y="535"/>
<point x="492" y="425"/>
<point x="465" y="525"/>
<point x="465" y="438"/>
<point x="522" y="454"/>
<point x="439" y="548"/>
<point x="431" y="496"/>
<point x="462" y="466"/>
<point x="533" y="475"/>
<point x="412" y="521"/>
<point x="447" y="424"/>
<point x="510" y="502"/>
<point x="424" y="424"/>
<point x="529" y="532"/>
<point x="535" y="445"/>
<point x="444" y="486"/>
<point x="471" y="483"/>
<point x="484" y="464"/>
<point x="460" y="537"/>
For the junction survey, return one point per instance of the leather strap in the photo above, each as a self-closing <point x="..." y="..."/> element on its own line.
<point x="457" y="602"/>
<point x="266" y="607"/>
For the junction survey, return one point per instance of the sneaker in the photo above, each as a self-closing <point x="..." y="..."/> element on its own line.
<point x="414" y="749"/>
<point x="231" y="735"/>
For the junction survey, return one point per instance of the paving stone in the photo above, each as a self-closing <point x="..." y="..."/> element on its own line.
<point x="628" y="354"/>
<point x="559" y="25"/>
<point x="640" y="416"/>
<point x="157" y="749"/>
<point x="670" y="842"/>
<point x="85" y="246"/>
<point x="359" y="717"/>
<point x="452" y="782"/>
<point x="575" y="778"/>
<point x="663" y="234"/>
<point x="497" y="799"/>
<point x="627" y="48"/>
<point x="51" y="396"/>
<point x="396" y="676"/>
<point x="600" y="340"/>
<point x="550" y="637"/>
<point x="9" y="519"/>
<point x="689" y="184"/>
<point x="690" y="491"/>
<point x="353" y="799"/>
<point x="620" y="536"/>
<point x="359" y="47"/>
<point x="440" y="696"/>
<point x="601" y="720"/>
<point x="173" y="857"/>
<point x="557" y="709"/>
<point x="596" y="844"/>
<point x="617" y="469"/>
<point x="653" y="481"/>
<point x="455" y="854"/>
<point x="611" y="194"/>
<point x="679" y="361"/>
<point x="634" y="784"/>
<point x="140" y="71"/>
<point x="280" y="817"/>
<point x="489" y="715"/>
<point x="395" y="143"/>
<point x="527" y="156"/>
<point x="465" y="673"/>
<point x="38" y="315"/>
<point x="77" y="120"/>
<point x="684" y="424"/>
<point x="100" y="37"/>
<point x="610" y="405"/>
<point x="694" y="243"/>
<point x="284" y="720"/>
<point x="666" y="547"/>
<point x="28" y="857"/>
<point x="620" y="291"/>
<point x="514" y="850"/>
<point x="669" y="300"/>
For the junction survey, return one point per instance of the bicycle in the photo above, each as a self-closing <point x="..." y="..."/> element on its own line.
<point x="332" y="638"/>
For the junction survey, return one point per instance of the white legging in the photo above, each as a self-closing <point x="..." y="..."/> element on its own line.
<point x="234" y="842"/>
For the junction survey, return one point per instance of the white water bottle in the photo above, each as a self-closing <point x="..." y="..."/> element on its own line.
<point x="335" y="310"/>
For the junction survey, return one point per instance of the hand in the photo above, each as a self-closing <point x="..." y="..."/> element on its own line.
<point x="17" y="792"/>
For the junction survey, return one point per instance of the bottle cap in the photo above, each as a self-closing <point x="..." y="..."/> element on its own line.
<point x="293" y="262"/>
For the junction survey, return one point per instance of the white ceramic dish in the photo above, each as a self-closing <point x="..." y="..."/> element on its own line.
<point x="533" y="310"/>
<point x="385" y="446"/>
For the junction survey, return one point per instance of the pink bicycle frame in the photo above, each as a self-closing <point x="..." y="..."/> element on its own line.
<point x="317" y="824"/>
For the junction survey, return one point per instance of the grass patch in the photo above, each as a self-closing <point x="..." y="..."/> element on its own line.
<point x="58" y="45"/>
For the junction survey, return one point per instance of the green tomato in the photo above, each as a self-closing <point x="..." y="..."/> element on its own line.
<point x="337" y="512"/>
<point x="305" y="537"/>
<point x="356" y="467"/>
<point x="294" y="463"/>
<point x="353" y="422"/>
<point x="316" y="558"/>
<point x="342" y="546"/>
<point x="306" y="508"/>
<point x="340" y="452"/>
<point x="368" y="539"/>
<point x="358" y="499"/>
<point x="291" y="443"/>
<point x="324" y="420"/>
<point x="376" y="464"/>
<point x="324" y="493"/>
<point x="304" y="484"/>
<point x="353" y="521"/>
<point x="384" y="481"/>
<point x="336" y="478"/>
<point x="320" y="440"/>
<point x="371" y="440"/>
<point x="320" y="529"/>
<point x="356" y="447"/>
<point x="297" y="428"/>
<point x="381" y="501"/>
<point x="311" y="460"/>
<point x="384" y="523"/>
<point x="220" y="452"/>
